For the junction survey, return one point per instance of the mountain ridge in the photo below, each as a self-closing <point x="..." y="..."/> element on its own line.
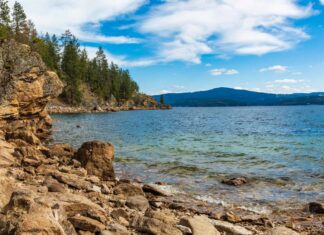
<point x="224" y="96"/>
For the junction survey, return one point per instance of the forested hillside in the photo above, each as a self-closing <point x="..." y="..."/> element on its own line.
<point x="233" y="97"/>
<point x="63" y="54"/>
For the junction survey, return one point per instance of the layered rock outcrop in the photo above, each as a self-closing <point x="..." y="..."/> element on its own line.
<point x="25" y="89"/>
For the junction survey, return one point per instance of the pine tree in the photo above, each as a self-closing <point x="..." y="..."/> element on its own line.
<point x="5" y="19"/>
<point x="71" y="69"/>
<point x="19" y="22"/>
<point x="5" y="13"/>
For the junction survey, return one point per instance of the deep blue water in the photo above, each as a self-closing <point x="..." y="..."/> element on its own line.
<point x="280" y="149"/>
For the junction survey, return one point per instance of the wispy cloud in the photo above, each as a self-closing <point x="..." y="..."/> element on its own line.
<point x="186" y="30"/>
<point x="219" y="72"/>
<point x="291" y="81"/>
<point x="275" y="68"/>
<point x="288" y="89"/>
<point x="173" y="89"/>
<point x="82" y="17"/>
<point x="122" y="60"/>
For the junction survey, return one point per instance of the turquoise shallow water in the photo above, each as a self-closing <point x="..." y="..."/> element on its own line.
<point x="280" y="149"/>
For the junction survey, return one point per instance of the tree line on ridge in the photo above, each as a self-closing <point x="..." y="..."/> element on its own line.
<point x="65" y="56"/>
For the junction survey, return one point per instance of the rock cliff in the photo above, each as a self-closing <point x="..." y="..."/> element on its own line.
<point x="25" y="88"/>
<point x="57" y="190"/>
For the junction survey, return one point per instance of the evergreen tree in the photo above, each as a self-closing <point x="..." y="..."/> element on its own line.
<point x="5" y="13"/>
<point x="19" y="20"/>
<point x="68" y="61"/>
<point x="84" y="66"/>
<point x="5" y="19"/>
<point x="71" y="69"/>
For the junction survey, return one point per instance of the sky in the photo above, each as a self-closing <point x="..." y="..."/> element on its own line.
<point x="274" y="46"/>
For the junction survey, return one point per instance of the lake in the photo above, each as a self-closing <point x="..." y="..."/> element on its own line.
<point x="279" y="149"/>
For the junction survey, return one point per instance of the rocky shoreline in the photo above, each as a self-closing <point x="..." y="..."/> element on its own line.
<point x="61" y="109"/>
<point x="56" y="189"/>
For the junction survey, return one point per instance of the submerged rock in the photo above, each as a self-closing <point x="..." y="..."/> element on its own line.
<point x="97" y="158"/>
<point x="235" y="181"/>
<point x="316" y="207"/>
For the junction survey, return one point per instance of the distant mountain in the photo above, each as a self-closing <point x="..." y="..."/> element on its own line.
<point x="233" y="97"/>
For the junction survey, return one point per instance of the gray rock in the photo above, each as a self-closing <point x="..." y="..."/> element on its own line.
<point x="200" y="225"/>
<point x="230" y="228"/>
<point x="282" y="231"/>
<point x="138" y="202"/>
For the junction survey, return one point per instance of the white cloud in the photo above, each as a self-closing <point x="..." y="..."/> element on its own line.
<point x="322" y="1"/>
<point x="219" y="72"/>
<point x="291" y="81"/>
<point x="173" y="89"/>
<point x="82" y="17"/>
<point x="188" y="29"/>
<point x="122" y="60"/>
<point x="275" y="68"/>
<point x="285" y="89"/>
<point x="162" y="92"/>
<point x="208" y="65"/>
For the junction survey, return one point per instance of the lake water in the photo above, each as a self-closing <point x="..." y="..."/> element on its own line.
<point x="279" y="149"/>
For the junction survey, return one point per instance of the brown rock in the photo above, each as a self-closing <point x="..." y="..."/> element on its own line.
<point x="156" y="222"/>
<point x="61" y="150"/>
<point x="200" y="225"/>
<point x="282" y="231"/>
<point x="86" y="223"/>
<point x="115" y="229"/>
<point x="6" y="154"/>
<point x="229" y="228"/>
<point x="97" y="158"/>
<point x="26" y="87"/>
<point x="231" y="217"/>
<point x="72" y="180"/>
<point x="6" y="188"/>
<point x="127" y="190"/>
<point x="54" y="185"/>
<point x="116" y="214"/>
<point x="235" y="181"/>
<point x="26" y="136"/>
<point x="155" y="190"/>
<point x="84" y="207"/>
<point x="138" y="202"/>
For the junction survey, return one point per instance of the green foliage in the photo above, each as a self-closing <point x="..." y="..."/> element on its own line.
<point x="19" y="22"/>
<point x="105" y="80"/>
<point x="5" y="19"/>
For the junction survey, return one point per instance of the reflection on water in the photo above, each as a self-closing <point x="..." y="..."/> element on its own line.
<point x="280" y="149"/>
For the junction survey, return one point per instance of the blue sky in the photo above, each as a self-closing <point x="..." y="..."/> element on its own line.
<point x="187" y="45"/>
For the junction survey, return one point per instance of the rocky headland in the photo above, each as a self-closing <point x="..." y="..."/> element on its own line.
<point x="91" y="104"/>
<point x="56" y="189"/>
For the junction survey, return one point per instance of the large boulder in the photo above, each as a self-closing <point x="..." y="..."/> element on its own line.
<point x="97" y="158"/>
<point x="200" y="225"/>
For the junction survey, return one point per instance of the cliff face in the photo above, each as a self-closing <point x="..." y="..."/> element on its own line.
<point x="25" y="88"/>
